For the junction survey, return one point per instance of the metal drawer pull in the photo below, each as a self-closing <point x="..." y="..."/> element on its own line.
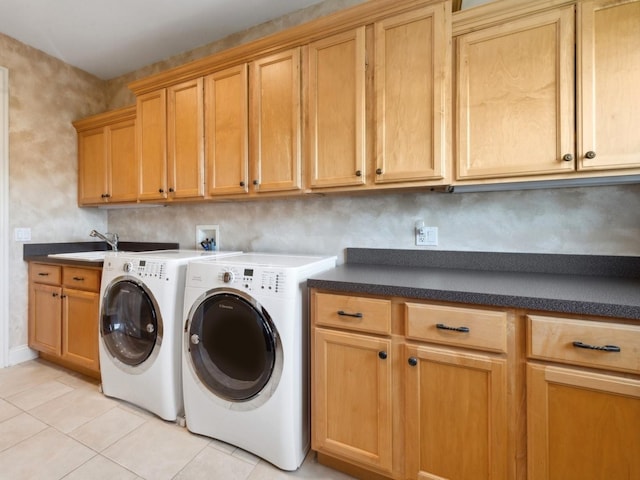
<point x="442" y="326"/>
<point x="604" y="348"/>
<point x="79" y="279"/>
<point x="342" y="313"/>
<point x="43" y="274"/>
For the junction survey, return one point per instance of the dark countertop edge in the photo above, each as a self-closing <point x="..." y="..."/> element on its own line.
<point x="38" y="252"/>
<point x="565" y="264"/>
<point x="483" y="299"/>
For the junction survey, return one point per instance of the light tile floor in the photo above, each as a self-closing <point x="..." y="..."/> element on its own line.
<point x="55" y="424"/>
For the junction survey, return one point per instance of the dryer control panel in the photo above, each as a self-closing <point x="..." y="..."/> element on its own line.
<point x="145" y="269"/>
<point x="263" y="280"/>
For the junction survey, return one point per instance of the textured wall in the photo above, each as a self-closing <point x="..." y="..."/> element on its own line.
<point x="594" y="220"/>
<point x="45" y="96"/>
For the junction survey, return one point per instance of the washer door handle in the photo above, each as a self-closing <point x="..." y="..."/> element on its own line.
<point x="195" y="339"/>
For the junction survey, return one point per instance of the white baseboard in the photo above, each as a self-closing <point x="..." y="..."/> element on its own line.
<point x="21" y="354"/>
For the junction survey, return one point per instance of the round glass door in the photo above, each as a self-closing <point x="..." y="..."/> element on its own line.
<point x="130" y="325"/>
<point x="234" y="347"/>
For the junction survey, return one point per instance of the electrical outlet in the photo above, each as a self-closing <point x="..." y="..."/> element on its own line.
<point x="22" y="234"/>
<point x="426" y="236"/>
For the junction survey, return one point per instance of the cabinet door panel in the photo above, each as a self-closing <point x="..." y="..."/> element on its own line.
<point x="412" y="93"/>
<point x="610" y="75"/>
<point x="185" y="139"/>
<point x="581" y="425"/>
<point x="352" y="397"/>
<point x="275" y="122"/>
<point x="45" y="318"/>
<point x="80" y="328"/>
<point x="336" y="138"/>
<point x="123" y="173"/>
<point x="515" y="91"/>
<point x="227" y="131"/>
<point x="92" y="167"/>
<point x="456" y="403"/>
<point x="151" y="135"/>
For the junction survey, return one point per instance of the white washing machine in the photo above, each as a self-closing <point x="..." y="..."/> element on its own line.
<point x="245" y="353"/>
<point x="141" y="304"/>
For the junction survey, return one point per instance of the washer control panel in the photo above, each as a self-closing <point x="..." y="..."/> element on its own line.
<point x="146" y="269"/>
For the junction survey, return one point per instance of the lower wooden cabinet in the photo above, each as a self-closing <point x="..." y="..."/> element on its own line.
<point x="352" y="403"/>
<point x="456" y="408"/>
<point x="394" y="395"/>
<point x="582" y="425"/>
<point x="64" y="303"/>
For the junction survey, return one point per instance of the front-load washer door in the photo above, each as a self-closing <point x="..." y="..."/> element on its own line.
<point x="130" y="325"/>
<point x="233" y="348"/>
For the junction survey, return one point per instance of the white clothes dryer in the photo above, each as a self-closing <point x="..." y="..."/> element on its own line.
<point x="141" y="304"/>
<point x="245" y="353"/>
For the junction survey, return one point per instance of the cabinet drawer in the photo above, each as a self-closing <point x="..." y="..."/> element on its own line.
<point x="43" y="273"/>
<point x="352" y="313"/>
<point x="555" y="339"/>
<point x="81" y="279"/>
<point x="464" y="327"/>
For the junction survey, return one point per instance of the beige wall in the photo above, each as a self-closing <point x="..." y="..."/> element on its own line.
<point x="47" y="95"/>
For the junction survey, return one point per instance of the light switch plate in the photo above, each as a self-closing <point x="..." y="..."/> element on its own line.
<point x="22" y="234"/>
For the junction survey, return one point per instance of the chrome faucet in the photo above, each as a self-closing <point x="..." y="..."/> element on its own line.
<point x="110" y="238"/>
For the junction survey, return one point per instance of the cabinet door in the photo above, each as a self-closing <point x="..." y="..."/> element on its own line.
<point x="351" y="397"/>
<point x="456" y="407"/>
<point x="515" y="97"/>
<point x="581" y="425"/>
<point x="45" y="317"/>
<point x="185" y="139"/>
<point x="227" y="131"/>
<point x="336" y="128"/>
<point x="80" y="314"/>
<point x="609" y="70"/>
<point x="275" y="122"/>
<point x="92" y="167"/>
<point x="123" y="168"/>
<point x="413" y="58"/>
<point x="151" y="144"/>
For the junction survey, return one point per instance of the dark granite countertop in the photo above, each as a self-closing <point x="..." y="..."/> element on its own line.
<point x="575" y="284"/>
<point x="38" y="252"/>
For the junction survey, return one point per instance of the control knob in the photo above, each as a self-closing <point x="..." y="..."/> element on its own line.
<point x="128" y="267"/>
<point x="228" y="277"/>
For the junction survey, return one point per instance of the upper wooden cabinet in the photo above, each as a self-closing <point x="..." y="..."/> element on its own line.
<point x="609" y="69"/>
<point x="107" y="169"/>
<point x="170" y="134"/>
<point x="515" y="97"/>
<point x="336" y="148"/>
<point x="253" y="126"/>
<point x="275" y="129"/>
<point x="516" y="85"/>
<point x="412" y="94"/>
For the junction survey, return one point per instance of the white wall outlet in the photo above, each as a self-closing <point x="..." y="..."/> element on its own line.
<point x="22" y="234"/>
<point x="426" y="236"/>
<point x="207" y="237"/>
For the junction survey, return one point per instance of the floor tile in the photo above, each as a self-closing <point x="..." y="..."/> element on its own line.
<point x="48" y="455"/>
<point x="19" y="378"/>
<point x="39" y="394"/>
<point x="108" y="428"/>
<point x="213" y="464"/>
<point x="156" y="450"/>
<point x="19" y="428"/>
<point x="310" y="469"/>
<point x="73" y="409"/>
<point x="7" y="410"/>
<point x="101" y="468"/>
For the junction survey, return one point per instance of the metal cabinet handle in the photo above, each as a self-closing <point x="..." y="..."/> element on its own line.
<point x="171" y="190"/>
<point x="590" y="154"/>
<point x="413" y="361"/>
<point x="255" y="182"/>
<point x="242" y="184"/>
<point x="43" y="274"/>
<point x="342" y="313"/>
<point x="161" y="190"/>
<point x="442" y="326"/>
<point x="567" y="157"/>
<point x="383" y="355"/>
<point x="358" y="173"/>
<point x="603" y="348"/>
<point x="54" y="295"/>
<point x="79" y="279"/>
<point x="378" y="171"/>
